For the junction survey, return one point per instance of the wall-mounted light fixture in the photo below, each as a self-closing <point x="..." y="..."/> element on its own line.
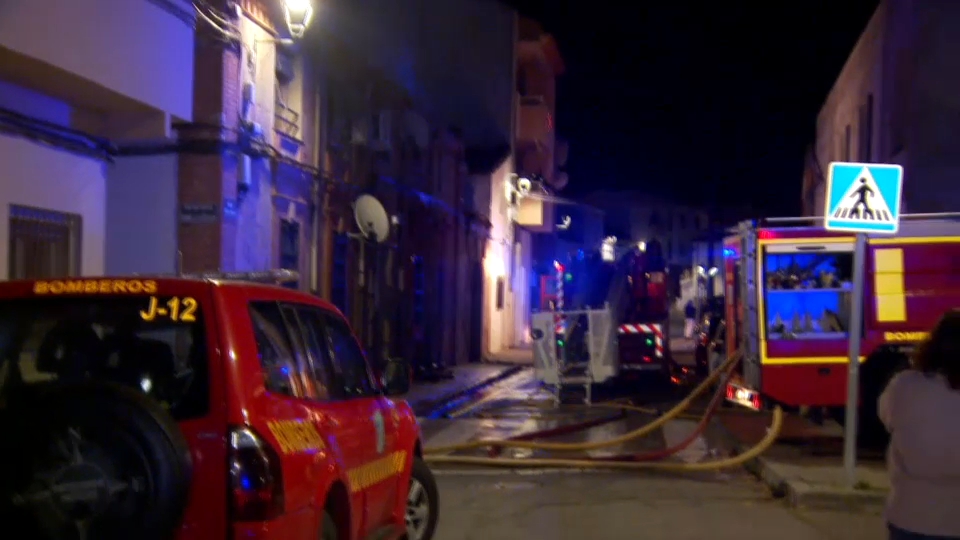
<point x="608" y="249"/>
<point x="298" y="14"/>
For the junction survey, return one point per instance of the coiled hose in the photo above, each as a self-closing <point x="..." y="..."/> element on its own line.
<point x="439" y="455"/>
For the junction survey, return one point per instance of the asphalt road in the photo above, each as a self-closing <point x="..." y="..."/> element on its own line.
<point x="617" y="506"/>
<point x="504" y="504"/>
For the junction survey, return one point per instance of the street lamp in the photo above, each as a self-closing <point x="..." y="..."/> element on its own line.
<point x="298" y="14"/>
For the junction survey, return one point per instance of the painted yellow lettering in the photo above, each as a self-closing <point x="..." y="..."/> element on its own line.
<point x="188" y="315"/>
<point x="41" y="287"/>
<point x="905" y="336"/>
<point x="149" y="286"/>
<point x="73" y="287"/>
<point x="56" y="287"/>
<point x="119" y="286"/>
<point x="150" y="313"/>
<point x="278" y="432"/>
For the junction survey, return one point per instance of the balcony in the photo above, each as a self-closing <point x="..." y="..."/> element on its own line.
<point x="534" y="120"/>
<point x="108" y="54"/>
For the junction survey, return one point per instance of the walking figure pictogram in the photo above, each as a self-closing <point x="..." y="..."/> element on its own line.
<point x="861" y="194"/>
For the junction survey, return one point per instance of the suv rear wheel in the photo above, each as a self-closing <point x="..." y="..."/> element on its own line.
<point x="92" y="460"/>
<point x="422" y="502"/>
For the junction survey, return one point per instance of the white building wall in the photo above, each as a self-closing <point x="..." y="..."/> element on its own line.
<point x="47" y="178"/>
<point x="133" y="47"/>
<point x="508" y="256"/>
<point x="141" y="214"/>
<point x="42" y="177"/>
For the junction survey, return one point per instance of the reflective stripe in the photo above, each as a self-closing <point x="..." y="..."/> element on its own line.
<point x="654" y="329"/>
<point x="376" y="471"/>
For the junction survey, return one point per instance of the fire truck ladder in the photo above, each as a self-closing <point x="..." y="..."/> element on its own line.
<point x="749" y="295"/>
<point x="586" y="349"/>
<point x="553" y="364"/>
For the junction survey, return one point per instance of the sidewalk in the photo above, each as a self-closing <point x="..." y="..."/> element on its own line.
<point x="805" y="466"/>
<point x="522" y="356"/>
<point x="425" y="397"/>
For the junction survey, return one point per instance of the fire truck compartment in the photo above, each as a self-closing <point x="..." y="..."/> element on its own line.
<point x="789" y="291"/>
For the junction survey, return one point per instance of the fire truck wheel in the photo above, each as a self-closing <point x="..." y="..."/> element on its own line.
<point x="74" y="437"/>
<point x="328" y="530"/>
<point x="875" y="376"/>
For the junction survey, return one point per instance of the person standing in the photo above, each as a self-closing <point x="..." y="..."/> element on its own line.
<point x="690" y="319"/>
<point x="918" y="408"/>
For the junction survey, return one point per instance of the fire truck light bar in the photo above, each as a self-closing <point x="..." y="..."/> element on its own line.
<point x="267" y="276"/>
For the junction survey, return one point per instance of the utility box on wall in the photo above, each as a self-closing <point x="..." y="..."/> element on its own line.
<point x="536" y="215"/>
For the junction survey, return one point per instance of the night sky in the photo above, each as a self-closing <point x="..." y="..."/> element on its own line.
<point x="697" y="101"/>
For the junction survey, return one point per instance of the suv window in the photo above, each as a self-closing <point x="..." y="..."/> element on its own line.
<point x="124" y="340"/>
<point x="274" y="349"/>
<point x="314" y="370"/>
<point x="349" y="373"/>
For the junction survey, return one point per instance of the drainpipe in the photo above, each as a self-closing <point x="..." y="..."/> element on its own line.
<point x="455" y="267"/>
<point x="315" y="215"/>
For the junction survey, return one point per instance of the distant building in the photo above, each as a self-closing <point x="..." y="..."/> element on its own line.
<point x="637" y="217"/>
<point x="490" y="75"/>
<point x="895" y="101"/>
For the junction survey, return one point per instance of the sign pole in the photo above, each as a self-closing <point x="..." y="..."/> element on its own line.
<point x="855" y="327"/>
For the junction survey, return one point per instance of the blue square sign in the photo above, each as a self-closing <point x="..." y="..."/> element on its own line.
<point x="863" y="197"/>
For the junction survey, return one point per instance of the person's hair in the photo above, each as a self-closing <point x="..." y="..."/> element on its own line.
<point x="940" y="353"/>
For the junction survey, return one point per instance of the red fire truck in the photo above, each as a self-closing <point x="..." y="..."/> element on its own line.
<point x="632" y="291"/>
<point x="644" y="322"/>
<point x="789" y="292"/>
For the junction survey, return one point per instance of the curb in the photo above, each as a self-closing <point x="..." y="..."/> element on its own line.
<point x="798" y="493"/>
<point x="431" y="407"/>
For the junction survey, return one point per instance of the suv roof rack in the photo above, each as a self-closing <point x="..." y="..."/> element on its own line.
<point x="276" y="277"/>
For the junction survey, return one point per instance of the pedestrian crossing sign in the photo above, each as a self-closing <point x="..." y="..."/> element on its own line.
<point x="863" y="197"/>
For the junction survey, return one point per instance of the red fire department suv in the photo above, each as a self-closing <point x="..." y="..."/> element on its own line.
<point x="199" y="408"/>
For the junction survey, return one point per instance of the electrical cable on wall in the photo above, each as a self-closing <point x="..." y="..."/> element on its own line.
<point x="229" y="30"/>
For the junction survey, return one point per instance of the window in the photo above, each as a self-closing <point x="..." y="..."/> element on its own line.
<point x="339" y="284"/>
<point x="45" y="341"/>
<point x="317" y="368"/>
<point x="654" y="220"/>
<point x="43" y="243"/>
<point x="807" y="294"/>
<point x="274" y="349"/>
<point x="500" y="293"/>
<point x="348" y="364"/>
<point x="290" y="248"/>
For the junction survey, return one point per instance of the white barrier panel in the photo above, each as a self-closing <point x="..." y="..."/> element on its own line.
<point x="545" y="366"/>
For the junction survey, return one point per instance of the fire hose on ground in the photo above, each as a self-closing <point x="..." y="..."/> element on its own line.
<point x="647" y="461"/>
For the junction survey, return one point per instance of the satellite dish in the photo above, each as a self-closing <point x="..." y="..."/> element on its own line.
<point x="372" y="218"/>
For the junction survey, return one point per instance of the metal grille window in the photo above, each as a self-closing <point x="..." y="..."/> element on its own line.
<point x="338" y="285"/>
<point x="290" y="248"/>
<point x="43" y="243"/>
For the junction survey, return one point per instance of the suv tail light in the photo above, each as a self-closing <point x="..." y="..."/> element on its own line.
<point x="256" y="477"/>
